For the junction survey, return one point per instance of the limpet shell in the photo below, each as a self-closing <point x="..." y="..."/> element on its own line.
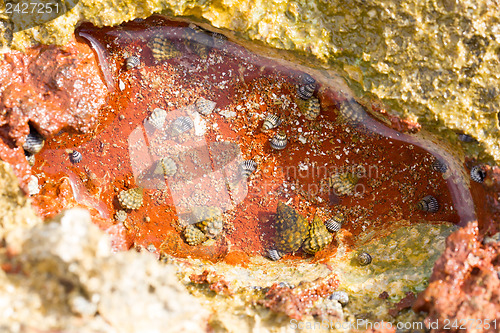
<point x="193" y="235"/>
<point x="163" y="49"/>
<point x="291" y="229"/>
<point x="319" y="237"/>
<point x="157" y="118"/>
<point x="131" y="199"/>
<point x="271" y="121"/>
<point x="34" y="143"/>
<point x="477" y="174"/>
<point x="278" y="141"/>
<point x="204" y="106"/>
<point x="428" y="204"/>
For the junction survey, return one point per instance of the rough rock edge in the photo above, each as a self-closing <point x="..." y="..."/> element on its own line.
<point x="62" y="275"/>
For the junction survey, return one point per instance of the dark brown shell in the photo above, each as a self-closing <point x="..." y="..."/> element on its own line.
<point x="319" y="237"/>
<point x="291" y="229"/>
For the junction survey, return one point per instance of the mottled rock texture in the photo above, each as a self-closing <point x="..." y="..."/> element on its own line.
<point x="67" y="279"/>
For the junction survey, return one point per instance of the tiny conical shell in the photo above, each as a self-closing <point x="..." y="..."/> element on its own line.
<point x="34" y="143"/>
<point x="273" y="255"/>
<point x="278" y="141"/>
<point x="248" y="167"/>
<point x="312" y="108"/>
<point x="131" y="199"/>
<point x="343" y="183"/>
<point x="306" y="91"/>
<point x="291" y="229"/>
<point x="121" y="216"/>
<point x="307" y="79"/>
<point x="163" y="49"/>
<point x="132" y="62"/>
<point x="334" y="224"/>
<point x="157" y="118"/>
<point x="75" y="156"/>
<point x="364" y="258"/>
<point x="340" y="296"/>
<point x="271" y="121"/>
<point x="439" y="166"/>
<point x="428" y="204"/>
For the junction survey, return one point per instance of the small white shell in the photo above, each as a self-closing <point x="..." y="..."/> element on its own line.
<point x="204" y="106"/>
<point x="180" y="125"/>
<point x="340" y="296"/>
<point x="120" y="216"/>
<point x="157" y="118"/>
<point x="33" y="185"/>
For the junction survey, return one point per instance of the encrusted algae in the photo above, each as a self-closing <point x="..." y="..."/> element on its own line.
<point x="434" y="62"/>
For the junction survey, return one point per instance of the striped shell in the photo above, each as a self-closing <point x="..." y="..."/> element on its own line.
<point x="34" y="143"/>
<point x="319" y="237"/>
<point x="165" y="166"/>
<point x="343" y="183"/>
<point x="248" y="167"/>
<point x="211" y="220"/>
<point x="364" y="258"/>
<point x="193" y="235"/>
<point x="306" y="91"/>
<point x="466" y="138"/>
<point x="271" y="121"/>
<point x="428" y="204"/>
<point x="180" y="125"/>
<point x="291" y="229"/>
<point x="157" y="118"/>
<point x="163" y="49"/>
<point x="273" y="255"/>
<point x="312" y="108"/>
<point x="307" y="79"/>
<point x="131" y="199"/>
<point x="132" y="62"/>
<point x="75" y="156"/>
<point x="477" y="174"/>
<point x="121" y="216"/>
<point x="340" y="296"/>
<point x="334" y="224"/>
<point x="204" y="106"/>
<point x="278" y="141"/>
<point x="439" y="166"/>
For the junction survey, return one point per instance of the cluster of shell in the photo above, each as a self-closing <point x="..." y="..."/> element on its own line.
<point x="293" y="232"/>
<point x="210" y="225"/>
<point x="131" y="199"/>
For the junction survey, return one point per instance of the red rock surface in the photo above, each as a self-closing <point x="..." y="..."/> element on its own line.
<point x="464" y="285"/>
<point x="51" y="89"/>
